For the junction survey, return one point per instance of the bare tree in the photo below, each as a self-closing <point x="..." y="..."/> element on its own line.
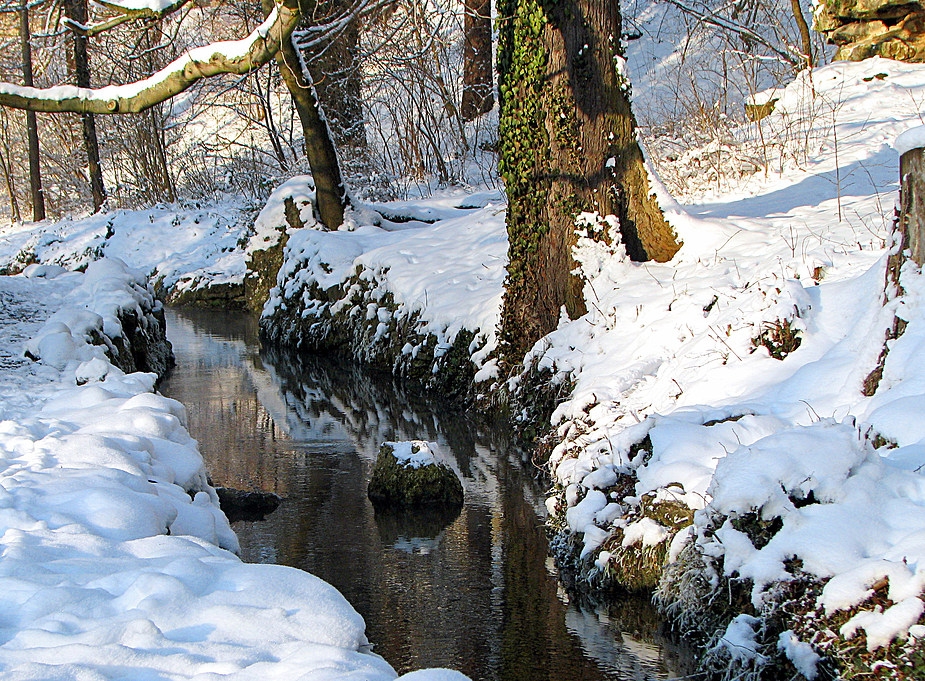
<point x="35" y="169"/>
<point x="478" y="95"/>
<point x="76" y="11"/>
<point x="231" y="57"/>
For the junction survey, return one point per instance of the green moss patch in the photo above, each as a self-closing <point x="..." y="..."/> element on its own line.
<point x="395" y="483"/>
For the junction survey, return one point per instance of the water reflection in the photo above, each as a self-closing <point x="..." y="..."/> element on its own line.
<point x="473" y="592"/>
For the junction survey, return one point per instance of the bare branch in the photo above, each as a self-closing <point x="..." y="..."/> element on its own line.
<point x="238" y="57"/>
<point x="789" y="54"/>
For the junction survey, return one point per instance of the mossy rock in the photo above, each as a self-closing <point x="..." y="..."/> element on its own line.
<point x="228" y="296"/>
<point x="407" y="475"/>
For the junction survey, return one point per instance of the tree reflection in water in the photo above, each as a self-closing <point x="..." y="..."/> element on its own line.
<point x="473" y="591"/>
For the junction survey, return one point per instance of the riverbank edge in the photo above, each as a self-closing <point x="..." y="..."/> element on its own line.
<point x="705" y="607"/>
<point x="356" y="320"/>
<point x="700" y="603"/>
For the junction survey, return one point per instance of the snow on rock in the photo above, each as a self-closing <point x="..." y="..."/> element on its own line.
<point x="413" y="453"/>
<point x="646" y="532"/>
<point x="116" y="560"/>
<point x="272" y="220"/>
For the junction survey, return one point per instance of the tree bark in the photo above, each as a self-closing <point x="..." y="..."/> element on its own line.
<point x="907" y="243"/>
<point x="32" y="130"/>
<point x="76" y="11"/>
<point x="568" y="145"/>
<point x="330" y="192"/>
<point x="912" y="204"/>
<point x="7" y="168"/>
<point x="805" y="37"/>
<point x="478" y="85"/>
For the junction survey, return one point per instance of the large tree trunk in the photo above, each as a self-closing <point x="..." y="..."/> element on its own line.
<point x="330" y="192"/>
<point x="568" y="145"/>
<point x="32" y="129"/>
<point x="478" y="87"/>
<point x="76" y="10"/>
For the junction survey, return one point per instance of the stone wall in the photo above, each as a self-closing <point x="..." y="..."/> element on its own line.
<point x="869" y="28"/>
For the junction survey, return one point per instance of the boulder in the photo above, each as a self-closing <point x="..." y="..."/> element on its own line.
<point x="407" y="474"/>
<point x="252" y="505"/>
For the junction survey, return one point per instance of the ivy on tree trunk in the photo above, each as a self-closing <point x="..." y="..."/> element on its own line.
<point x="567" y="142"/>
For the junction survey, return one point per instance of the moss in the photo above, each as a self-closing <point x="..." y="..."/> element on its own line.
<point x="634" y="568"/>
<point x="394" y="483"/>
<point x="700" y="601"/>
<point x="344" y="320"/>
<point x="217" y="296"/>
<point x="262" y="268"/>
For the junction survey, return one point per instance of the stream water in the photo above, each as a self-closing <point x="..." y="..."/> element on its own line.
<point x="476" y="592"/>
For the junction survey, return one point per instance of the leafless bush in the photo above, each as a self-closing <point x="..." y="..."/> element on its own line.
<point x="702" y="63"/>
<point x="242" y="134"/>
<point x="412" y="93"/>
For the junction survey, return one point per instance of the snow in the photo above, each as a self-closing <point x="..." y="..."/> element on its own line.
<point x="447" y="294"/>
<point x="739" y="639"/>
<point x="414" y="453"/>
<point x="229" y="50"/>
<point x="272" y="218"/>
<point x="667" y="351"/>
<point x="117" y="562"/>
<point x="913" y="138"/>
<point x="182" y="247"/>
<point x="801" y="654"/>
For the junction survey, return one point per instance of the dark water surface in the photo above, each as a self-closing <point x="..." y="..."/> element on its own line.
<point x="476" y="593"/>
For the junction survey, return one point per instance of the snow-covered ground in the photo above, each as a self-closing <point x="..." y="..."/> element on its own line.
<point x="181" y="247"/>
<point x="116" y="560"/>
<point x="788" y="471"/>
<point x="423" y="280"/>
<point x="681" y="353"/>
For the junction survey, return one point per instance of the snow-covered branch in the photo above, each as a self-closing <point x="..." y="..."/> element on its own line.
<point x="127" y="11"/>
<point x="233" y="57"/>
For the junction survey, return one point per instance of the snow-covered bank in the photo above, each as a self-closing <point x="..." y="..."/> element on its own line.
<point x="718" y="423"/>
<point x="420" y="298"/>
<point x="717" y="442"/>
<point x="116" y="560"/>
<point x="186" y="249"/>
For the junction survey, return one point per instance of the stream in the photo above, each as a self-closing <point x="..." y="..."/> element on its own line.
<point x="476" y="592"/>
